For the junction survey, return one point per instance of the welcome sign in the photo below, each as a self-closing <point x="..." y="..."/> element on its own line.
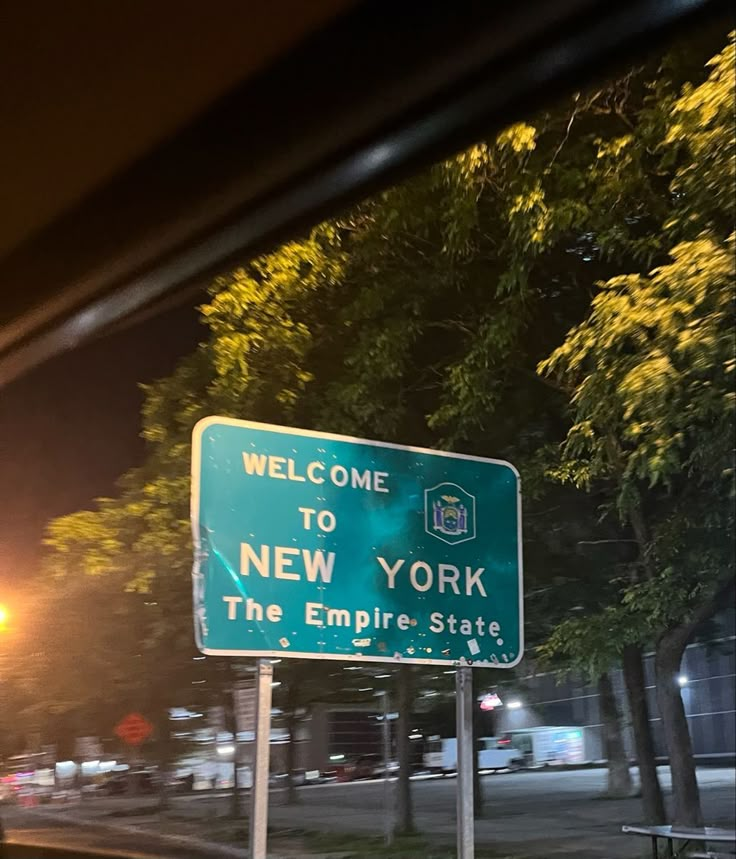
<point x="316" y="545"/>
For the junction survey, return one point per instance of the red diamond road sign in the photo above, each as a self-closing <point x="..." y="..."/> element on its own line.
<point x="134" y="729"/>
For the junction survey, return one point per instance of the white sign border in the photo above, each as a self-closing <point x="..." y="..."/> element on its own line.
<point x="213" y="420"/>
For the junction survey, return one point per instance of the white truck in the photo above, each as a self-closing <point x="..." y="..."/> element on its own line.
<point x="441" y="755"/>
<point x="554" y="744"/>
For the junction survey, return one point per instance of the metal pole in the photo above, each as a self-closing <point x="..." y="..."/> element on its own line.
<point x="464" y="717"/>
<point x="387" y="815"/>
<point x="259" y="788"/>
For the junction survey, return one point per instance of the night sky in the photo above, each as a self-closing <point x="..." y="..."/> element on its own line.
<point x="70" y="428"/>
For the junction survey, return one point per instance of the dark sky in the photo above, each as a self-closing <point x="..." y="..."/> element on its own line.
<point x="70" y="428"/>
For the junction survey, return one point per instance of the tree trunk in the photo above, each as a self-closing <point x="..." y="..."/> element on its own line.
<point x="229" y="705"/>
<point x="477" y="786"/>
<point x="676" y="732"/>
<point x="292" y="797"/>
<point x="132" y="777"/>
<point x="163" y="785"/>
<point x="619" y="776"/>
<point x="163" y="731"/>
<point x="404" y="810"/>
<point x="651" y="791"/>
<point x="670" y="648"/>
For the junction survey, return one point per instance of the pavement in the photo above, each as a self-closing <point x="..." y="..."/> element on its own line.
<point x="535" y="815"/>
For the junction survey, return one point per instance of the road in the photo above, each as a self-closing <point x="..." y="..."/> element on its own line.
<point x="534" y="814"/>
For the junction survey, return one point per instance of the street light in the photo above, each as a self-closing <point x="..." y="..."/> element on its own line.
<point x="515" y="705"/>
<point x="683" y="680"/>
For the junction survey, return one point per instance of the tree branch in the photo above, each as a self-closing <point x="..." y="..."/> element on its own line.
<point x="567" y="132"/>
<point x="544" y="380"/>
<point x="680" y="635"/>
<point x="600" y="542"/>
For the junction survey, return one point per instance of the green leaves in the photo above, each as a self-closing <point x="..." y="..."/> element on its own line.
<point x="701" y="135"/>
<point x="83" y="542"/>
<point x="590" y="644"/>
<point x="651" y="378"/>
<point x="650" y="369"/>
<point x="263" y="320"/>
<point x="522" y="138"/>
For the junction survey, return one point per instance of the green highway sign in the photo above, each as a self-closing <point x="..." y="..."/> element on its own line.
<point x="315" y="545"/>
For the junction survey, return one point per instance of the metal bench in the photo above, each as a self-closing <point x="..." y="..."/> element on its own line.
<point x="671" y="834"/>
<point x="709" y="854"/>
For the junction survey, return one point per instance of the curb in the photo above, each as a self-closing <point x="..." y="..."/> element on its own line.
<point x="179" y="840"/>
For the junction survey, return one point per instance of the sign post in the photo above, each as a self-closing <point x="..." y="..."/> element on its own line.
<point x="322" y="546"/>
<point x="134" y="730"/>
<point x="261" y="756"/>
<point x="464" y="795"/>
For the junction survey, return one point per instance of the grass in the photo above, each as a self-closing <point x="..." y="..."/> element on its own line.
<point x="226" y="830"/>
<point x="137" y="811"/>
<point x="403" y="847"/>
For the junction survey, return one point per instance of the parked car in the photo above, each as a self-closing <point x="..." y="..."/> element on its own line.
<point x="300" y="777"/>
<point x="121" y="783"/>
<point x="182" y="783"/>
<point x="355" y="768"/>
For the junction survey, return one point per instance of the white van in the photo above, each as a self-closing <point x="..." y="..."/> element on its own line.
<point x="441" y="755"/>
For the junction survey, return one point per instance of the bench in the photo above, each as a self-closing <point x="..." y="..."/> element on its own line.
<point x="701" y="837"/>
<point x="709" y="854"/>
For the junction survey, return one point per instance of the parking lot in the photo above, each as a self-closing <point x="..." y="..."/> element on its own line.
<point x="537" y="813"/>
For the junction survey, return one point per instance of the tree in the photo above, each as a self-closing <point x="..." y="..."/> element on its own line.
<point x="583" y="559"/>
<point x="404" y="696"/>
<point x="655" y="420"/>
<point x="619" y="776"/>
<point x="651" y="381"/>
<point x="141" y="639"/>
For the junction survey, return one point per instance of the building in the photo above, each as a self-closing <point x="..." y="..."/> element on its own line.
<point x="707" y="679"/>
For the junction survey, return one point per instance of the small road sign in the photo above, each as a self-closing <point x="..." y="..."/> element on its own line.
<point x="134" y="729"/>
<point x="315" y="545"/>
<point x="244" y="701"/>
